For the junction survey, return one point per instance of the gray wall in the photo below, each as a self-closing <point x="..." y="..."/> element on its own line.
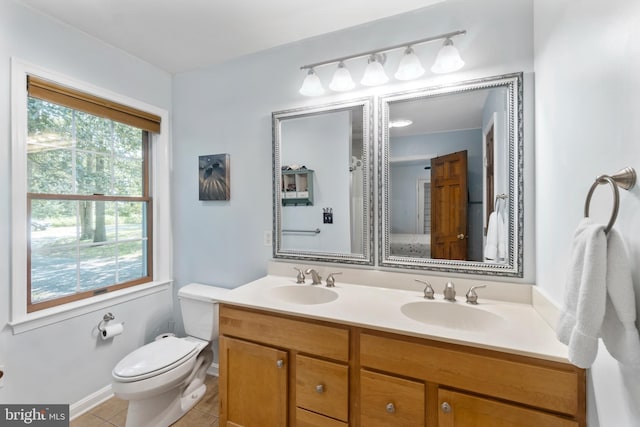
<point x="226" y="109"/>
<point x="65" y="362"/>
<point x="321" y="142"/>
<point x="587" y="63"/>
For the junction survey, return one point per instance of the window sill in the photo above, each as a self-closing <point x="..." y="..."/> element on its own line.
<point x="42" y="318"/>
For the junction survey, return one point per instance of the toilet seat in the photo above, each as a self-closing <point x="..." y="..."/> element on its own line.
<point x="155" y="358"/>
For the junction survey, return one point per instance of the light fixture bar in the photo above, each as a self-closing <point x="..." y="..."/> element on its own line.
<point x="386" y="49"/>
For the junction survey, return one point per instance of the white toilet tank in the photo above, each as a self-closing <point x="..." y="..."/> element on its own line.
<point x="199" y="305"/>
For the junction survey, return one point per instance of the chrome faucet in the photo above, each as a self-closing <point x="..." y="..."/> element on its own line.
<point x="449" y="292"/>
<point x="316" y="279"/>
<point x="472" y="296"/>
<point x="428" y="290"/>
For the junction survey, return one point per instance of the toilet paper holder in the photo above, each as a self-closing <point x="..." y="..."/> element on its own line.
<point x="106" y="318"/>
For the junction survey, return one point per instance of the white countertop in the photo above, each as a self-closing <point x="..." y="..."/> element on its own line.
<point x="518" y="330"/>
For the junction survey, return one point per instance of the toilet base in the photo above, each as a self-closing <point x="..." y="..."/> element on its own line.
<point x="162" y="410"/>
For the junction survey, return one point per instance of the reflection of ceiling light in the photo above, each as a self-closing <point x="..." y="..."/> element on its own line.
<point x="400" y="123"/>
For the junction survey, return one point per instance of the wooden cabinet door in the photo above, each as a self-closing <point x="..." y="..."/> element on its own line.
<point x="462" y="410"/>
<point x="253" y="385"/>
<point x="387" y="401"/>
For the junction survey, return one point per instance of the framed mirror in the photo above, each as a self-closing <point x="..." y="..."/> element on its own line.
<point x="450" y="177"/>
<point x="322" y="172"/>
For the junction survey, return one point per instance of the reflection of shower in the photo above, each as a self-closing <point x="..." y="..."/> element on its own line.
<point x="357" y="212"/>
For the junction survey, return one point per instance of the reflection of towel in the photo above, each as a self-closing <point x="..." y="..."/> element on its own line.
<point x="584" y="294"/>
<point x="619" y="331"/>
<point x="599" y="299"/>
<point x="495" y="248"/>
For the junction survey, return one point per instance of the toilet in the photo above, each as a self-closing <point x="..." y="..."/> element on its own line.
<point x="162" y="380"/>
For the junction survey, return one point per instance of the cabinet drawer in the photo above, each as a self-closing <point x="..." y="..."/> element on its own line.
<point x="466" y="410"/>
<point x="549" y="385"/>
<point x="388" y="401"/>
<point x="310" y="419"/>
<point x="307" y="337"/>
<point x="322" y="387"/>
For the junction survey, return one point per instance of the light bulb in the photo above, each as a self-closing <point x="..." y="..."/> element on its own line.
<point x="311" y="86"/>
<point x="342" y="80"/>
<point x="410" y="67"/>
<point x="448" y="59"/>
<point x="374" y="74"/>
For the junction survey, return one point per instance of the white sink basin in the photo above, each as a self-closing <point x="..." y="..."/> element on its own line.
<point x="452" y="315"/>
<point x="303" y="294"/>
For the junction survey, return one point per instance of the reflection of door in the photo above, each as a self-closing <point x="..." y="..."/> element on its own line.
<point x="488" y="175"/>
<point x="449" y="206"/>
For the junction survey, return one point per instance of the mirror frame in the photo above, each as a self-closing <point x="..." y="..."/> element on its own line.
<point x="515" y="134"/>
<point x="366" y="258"/>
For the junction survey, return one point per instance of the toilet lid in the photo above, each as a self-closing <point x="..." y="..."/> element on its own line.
<point x="154" y="357"/>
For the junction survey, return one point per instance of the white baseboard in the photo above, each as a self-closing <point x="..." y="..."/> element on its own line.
<point x="90" y="402"/>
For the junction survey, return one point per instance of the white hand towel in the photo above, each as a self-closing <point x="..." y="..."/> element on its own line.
<point x="585" y="294"/>
<point x="491" y="244"/>
<point x="495" y="248"/>
<point x="503" y="238"/>
<point x="619" y="332"/>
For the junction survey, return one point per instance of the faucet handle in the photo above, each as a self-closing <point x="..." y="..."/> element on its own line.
<point x="472" y="296"/>
<point x="428" y="289"/>
<point x="331" y="281"/>
<point x="300" y="277"/>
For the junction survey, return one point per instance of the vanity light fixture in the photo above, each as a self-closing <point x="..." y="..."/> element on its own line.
<point x="448" y="60"/>
<point x="342" y="80"/>
<point x="410" y="67"/>
<point x="312" y="86"/>
<point x="374" y="74"/>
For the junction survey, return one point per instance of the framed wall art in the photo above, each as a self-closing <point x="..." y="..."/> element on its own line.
<point x="214" y="176"/>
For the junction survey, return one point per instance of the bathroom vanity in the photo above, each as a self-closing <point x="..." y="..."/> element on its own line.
<point x="301" y="355"/>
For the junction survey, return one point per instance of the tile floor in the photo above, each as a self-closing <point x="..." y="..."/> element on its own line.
<point x="113" y="412"/>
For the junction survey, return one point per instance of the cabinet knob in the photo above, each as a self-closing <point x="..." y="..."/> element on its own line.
<point x="391" y="408"/>
<point x="280" y="363"/>
<point x="446" y="408"/>
<point x="320" y="388"/>
<point x="460" y="236"/>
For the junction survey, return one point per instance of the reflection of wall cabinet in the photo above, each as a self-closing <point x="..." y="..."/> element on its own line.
<point x="323" y="374"/>
<point x="297" y="187"/>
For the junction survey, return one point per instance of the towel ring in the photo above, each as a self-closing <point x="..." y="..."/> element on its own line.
<point x="625" y="178"/>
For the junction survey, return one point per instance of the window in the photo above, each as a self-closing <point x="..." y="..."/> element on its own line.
<point x="89" y="204"/>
